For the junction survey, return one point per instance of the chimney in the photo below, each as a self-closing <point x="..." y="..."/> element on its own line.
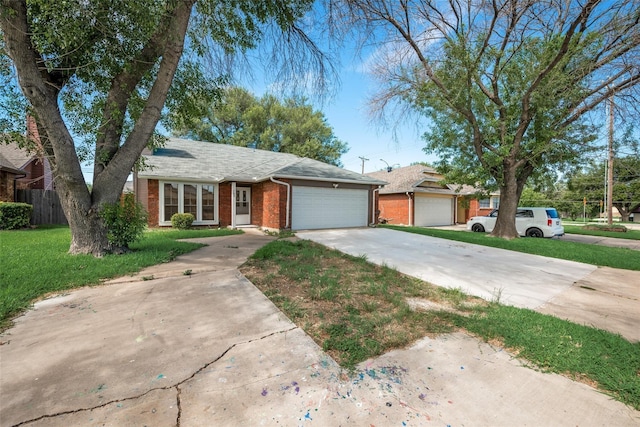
<point x="32" y="129"/>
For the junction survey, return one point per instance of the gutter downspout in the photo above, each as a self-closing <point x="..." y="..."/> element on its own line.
<point x="233" y="205"/>
<point x="410" y="209"/>
<point x="286" y="184"/>
<point x="373" y="206"/>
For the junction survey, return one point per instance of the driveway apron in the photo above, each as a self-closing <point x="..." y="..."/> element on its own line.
<point x="517" y="279"/>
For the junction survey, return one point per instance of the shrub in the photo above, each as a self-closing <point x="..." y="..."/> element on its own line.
<point x="125" y="221"/>
<point x="605" y="227"/>
<point x="182" y="221"/>
<point x="14" y="215"/>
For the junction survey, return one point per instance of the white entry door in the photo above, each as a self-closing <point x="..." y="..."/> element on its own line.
<point x="243" y="205"/>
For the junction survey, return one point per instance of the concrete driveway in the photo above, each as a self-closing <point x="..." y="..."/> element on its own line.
<point x="163" y="348"/>
<point x="605" y="298"/>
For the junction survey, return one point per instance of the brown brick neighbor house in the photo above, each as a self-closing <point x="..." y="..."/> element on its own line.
<point x="417" y="196"/>
<point x="229" y="186"/>
<point x="23" y="169"/>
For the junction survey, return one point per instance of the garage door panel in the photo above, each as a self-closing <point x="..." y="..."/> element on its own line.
<point x="433" y="211"/>
<point x="316" y="207"/>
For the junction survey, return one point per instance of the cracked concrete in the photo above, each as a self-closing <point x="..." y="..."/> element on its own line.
<point x="211" y="349"/>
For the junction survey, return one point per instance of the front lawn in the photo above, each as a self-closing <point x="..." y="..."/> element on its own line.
<point x="35" y="262"/>
<point x="356" y="310"/>
<point x="627" y="259"/>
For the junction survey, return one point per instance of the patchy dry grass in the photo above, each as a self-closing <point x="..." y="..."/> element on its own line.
<point x="356" y="310"/>
<point x="353" y="309"/>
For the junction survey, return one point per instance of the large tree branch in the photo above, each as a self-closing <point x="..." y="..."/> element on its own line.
<point x="123" y="88"/>
<point x="126" y="155"/>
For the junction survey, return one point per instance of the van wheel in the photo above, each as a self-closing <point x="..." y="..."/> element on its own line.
<point x="478" y="228"/>
<point x="535" y="232"/>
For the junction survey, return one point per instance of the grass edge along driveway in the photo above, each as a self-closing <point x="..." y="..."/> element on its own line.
<point x="355" y="310"/>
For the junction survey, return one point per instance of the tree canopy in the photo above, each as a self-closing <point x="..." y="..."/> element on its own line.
<point x="240" y="118"/>
<point x="505" y="85"/>
<point x="102" y="72"/>
<point x="589" y="183"/>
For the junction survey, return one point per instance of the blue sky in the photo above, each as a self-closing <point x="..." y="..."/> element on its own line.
<point x="347" y="114"/>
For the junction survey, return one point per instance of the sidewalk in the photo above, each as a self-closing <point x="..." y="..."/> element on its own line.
<point x="210" y="349"/>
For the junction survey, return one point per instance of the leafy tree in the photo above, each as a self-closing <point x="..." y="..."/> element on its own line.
<point x="506" y="85"/>
<point x="289" y="126"/>
<point x="100" y="72"/>
<point x="589" y="183"/>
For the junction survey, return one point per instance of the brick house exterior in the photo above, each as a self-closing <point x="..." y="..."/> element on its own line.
<point x="21" y="169"/>
<point x="229" y="186"/>
<point x="416" y="196"/>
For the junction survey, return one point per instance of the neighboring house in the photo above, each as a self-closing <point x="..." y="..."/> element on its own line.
<point x="224" y="185"/>
<point x="415" y="196"/>
<point x="483" y="207"/>
<point x="35" y="170"/>
<point x="9" y="174"/>
<point x="36" y="166"/>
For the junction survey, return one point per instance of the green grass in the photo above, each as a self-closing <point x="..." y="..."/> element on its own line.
<point x="627" y="259"/>
<point x="555" y="345"/>
<point x="35" y="262"/>
<point x="576" y="229"/>
<point x="369" y="315"/>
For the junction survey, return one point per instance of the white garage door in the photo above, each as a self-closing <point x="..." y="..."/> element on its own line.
<point x="314" y="208"/>
<point x="431" y="211"/>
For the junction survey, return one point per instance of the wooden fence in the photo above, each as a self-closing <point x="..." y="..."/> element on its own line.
<point x="46" y="206"/>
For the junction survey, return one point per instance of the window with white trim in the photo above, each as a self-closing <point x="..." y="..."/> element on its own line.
<point x="200" y="200"/>
<point x="491" y="203"/>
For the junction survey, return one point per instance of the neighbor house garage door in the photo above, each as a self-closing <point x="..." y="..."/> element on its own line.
<point x="314" y="207"/>
<point x="430" y="211"/>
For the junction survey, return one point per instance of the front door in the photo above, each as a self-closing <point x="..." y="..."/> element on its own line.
<point x="243" y="205"/>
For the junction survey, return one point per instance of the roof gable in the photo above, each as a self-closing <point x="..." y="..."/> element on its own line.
<point x="206" y="161"/>
<point x="413" y="178"/>
<point x="18" y="157"/>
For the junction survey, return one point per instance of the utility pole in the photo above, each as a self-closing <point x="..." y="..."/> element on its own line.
<point x="364" y="159"/>
<point x="610" y="166"/>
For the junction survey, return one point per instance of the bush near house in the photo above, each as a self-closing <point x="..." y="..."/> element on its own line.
<point x="15" y="215"/>
<point x="182" y="221"/>
<point x="125" y="221"/>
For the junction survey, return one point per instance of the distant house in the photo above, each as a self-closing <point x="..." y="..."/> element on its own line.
<point x="22" y="169"/>
<point x="9" y="174"/>
<point x="484" y="206"/>
<point x="229" y="186"/>
<point x="417" y="196"/>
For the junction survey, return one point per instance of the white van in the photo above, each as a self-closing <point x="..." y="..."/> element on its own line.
<point x="530" y="222"/>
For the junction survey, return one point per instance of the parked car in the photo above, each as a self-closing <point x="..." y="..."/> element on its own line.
<point x="530" y="222"/>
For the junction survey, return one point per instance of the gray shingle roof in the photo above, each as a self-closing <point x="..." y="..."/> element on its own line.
<point x="409" y="179"/>
<point x="6" y="165"/>
<point x="16" y="156"/>
<point x="206" y="161"/>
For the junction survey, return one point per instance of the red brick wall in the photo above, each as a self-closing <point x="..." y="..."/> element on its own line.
<point x="476" y="210"/>
<point x="152" y="203"/>
<point x="395" y="208"/>
<point x="6" y="186"/>
<point x="268" y="204"/>
<point x="274" y="205"/>
<point x="224" y="204"/>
